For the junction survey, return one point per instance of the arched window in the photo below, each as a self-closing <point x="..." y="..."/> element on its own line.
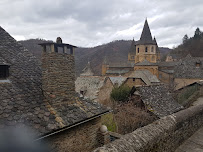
<point x="138" y="50"/>
<point x="152" y="50"/>
<point x="146" y="49"/>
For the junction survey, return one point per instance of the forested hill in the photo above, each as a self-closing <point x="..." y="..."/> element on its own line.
<point x="192" y="45"/>
<point x="116" y="51"/>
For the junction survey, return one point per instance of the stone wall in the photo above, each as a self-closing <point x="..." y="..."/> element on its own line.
<point x="165" y="134"/>
<point x="83" y="137"/>
<point x="58" y="77"/>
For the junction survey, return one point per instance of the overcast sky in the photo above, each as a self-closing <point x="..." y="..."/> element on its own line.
<point x="90" y="23"/>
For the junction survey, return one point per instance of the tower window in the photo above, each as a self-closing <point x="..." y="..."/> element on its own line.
<point x="138" y="50"/>
<point x="146" y="49"/>
<point x="4" y="71"/>
<point x="152" y="50"/>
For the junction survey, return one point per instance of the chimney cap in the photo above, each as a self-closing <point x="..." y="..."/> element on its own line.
<point x="58" y="40"/>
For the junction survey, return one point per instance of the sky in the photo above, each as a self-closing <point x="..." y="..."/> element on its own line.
<point x="89" y="23"/>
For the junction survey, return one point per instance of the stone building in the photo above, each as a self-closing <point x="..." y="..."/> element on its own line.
<point x="143" y="55"/>
<point x="42" y="97"/>
<point x="158" y="100"/>
<point x="188" y="71"/>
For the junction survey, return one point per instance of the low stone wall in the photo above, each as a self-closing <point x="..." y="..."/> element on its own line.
<point x="83" y="138"/>
<point x="165" y="134"/>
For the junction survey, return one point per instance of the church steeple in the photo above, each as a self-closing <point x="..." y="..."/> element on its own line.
<point x="146" y="33"/>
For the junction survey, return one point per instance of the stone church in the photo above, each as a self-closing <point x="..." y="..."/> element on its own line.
<point x="144" y="54"/>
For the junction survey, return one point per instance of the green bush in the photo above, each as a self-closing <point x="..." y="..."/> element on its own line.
<point x="121" y="93"/>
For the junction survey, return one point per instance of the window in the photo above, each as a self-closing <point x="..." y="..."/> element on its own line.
<point x="138" y="50"/>
<point x="146" y="49"/>
<point x="133" y="79"/>
<point x="4" y="71"/>
<point x="197" y="64"/>
<point x="152" y="50"/>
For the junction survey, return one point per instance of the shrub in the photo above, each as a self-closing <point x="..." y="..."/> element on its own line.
<point x="120" y="93"/>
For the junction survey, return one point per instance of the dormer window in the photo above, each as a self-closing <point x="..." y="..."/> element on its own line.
<point x="4" y="71"/>
<point x="197" y="64"/>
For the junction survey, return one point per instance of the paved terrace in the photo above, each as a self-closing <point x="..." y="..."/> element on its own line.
<point x="195" y="142"/>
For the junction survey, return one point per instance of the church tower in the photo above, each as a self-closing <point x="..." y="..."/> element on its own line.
<point x="144" y="49"/>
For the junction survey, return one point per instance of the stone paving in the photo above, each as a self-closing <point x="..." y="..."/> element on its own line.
<point x="195" y="142"/>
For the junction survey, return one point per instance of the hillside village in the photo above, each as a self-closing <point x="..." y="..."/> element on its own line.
<point x="124" y="108"/>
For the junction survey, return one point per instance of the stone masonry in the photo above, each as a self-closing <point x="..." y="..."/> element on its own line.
<point x="58" y="77"/>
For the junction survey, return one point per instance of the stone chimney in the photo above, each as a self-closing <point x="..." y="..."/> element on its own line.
<point x="58" y="72"/>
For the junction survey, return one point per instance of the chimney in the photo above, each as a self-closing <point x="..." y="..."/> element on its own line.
<point x="58" y="72"/>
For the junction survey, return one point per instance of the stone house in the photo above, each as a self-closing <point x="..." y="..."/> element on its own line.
<point x="42" y="97"/>
<point x="158" y="99"/>
<point x="188" y="71"/>
<point x="140" y="78"/>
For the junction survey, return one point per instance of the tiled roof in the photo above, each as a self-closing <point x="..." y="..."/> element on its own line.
<point x="22" y="99"/>
<point x="168" y="64"/>
<point x="117" y="71"/>
<point x="117" y="80"/>
<point x="90" y="85"/>
<point x="159" y="100"/>
<point x="146" y="37"/>
<point x="187" y="68"/>
<point x="145" y="75"/>
<point x="123" y="64"/>
<point x="167" y="71"/>
<point x="2" y="61"/>
<point x="146" y="63"/>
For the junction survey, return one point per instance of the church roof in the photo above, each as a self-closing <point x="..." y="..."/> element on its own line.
<point x="132" y="47"/>
<point x="146" y="37"/>
<point x="146" y="63"/>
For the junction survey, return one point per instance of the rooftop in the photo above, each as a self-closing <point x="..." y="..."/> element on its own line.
<point x="159" y="100"/>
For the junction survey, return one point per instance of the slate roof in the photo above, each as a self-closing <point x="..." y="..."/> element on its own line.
<point x="117" y="80"/>
<point x="168" y="64"/>
<point x="90" y="84"/>
<point x="122" y="64"/>
<point x="22" y="99"/>
<point x="146" y="63"/>
<point x="187" y="68"/>
<point x="146" y="37"/>
<point x="167" y="71"/>
<point x="159" y="100"/>
<point x="145" y="75"/>
<point x="3" y="62"/>
<point x="132" y="47"/>
<point x="117" y="71"/>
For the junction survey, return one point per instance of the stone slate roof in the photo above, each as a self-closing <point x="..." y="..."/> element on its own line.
<point x="159" y="100"/>
<point x="117" y="80"/>
<point x="22" y="99"/>
<point x="132" y="47"/>
<point x="3" y="62"/>
<point x="168" y="64"/>
<point x="90" y="85"/>
<point x="167" y="71"/>
<point x="186" y="68"/>
<point x="117" y="71"/>
<point x="146" y="37"/>
<point x="145" y="75"/>
<point x="146" y="63"/>
<point x="123" y="64"/>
